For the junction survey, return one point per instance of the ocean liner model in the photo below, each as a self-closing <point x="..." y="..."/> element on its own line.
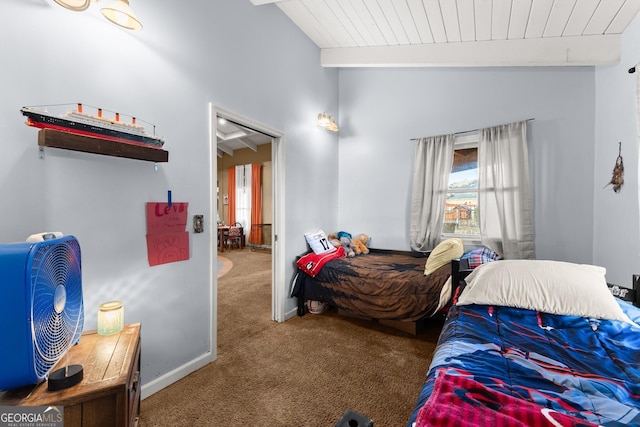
<point x="80" y="123"/>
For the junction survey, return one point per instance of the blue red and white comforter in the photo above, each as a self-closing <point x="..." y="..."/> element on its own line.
<point x="583" y="368"/>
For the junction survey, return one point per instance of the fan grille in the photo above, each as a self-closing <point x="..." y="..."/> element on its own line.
<point x="57" y="309"/>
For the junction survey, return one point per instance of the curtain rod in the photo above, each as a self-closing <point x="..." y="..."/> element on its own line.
<point x="475" y="130"/>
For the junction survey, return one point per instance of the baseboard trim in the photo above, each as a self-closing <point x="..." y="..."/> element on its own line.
<point x="291" y="313"/>
<point x="177" y="374"/>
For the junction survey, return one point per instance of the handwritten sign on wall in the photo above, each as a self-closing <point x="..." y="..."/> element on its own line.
<point x="167" y="238"/>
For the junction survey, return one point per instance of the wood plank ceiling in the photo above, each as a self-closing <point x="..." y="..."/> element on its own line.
<point x="460" y="33"/>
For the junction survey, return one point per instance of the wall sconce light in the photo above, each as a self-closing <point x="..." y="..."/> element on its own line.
<point x="119" y="12"/>
<point x="110" y="318"/>
<point x="327" y="121"/>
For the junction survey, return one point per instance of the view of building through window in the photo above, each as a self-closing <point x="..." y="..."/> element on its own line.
<point x="461" y="210"/>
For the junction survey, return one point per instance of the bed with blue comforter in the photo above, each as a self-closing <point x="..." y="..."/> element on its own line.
<point x="530" y="349"/>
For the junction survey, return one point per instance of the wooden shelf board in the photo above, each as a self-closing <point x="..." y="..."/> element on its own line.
<point x="89" y="144"/>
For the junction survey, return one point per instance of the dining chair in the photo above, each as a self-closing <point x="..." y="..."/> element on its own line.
<point x="235" y="236"/>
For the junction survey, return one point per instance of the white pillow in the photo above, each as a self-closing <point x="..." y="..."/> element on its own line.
<point x="554" y="287"/>
<point x="445" y="296"/>
<point x="443" y="253"/>
<point x="319" y="243"/>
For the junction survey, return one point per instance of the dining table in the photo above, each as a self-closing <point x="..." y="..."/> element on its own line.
<point x="223" y="232"/>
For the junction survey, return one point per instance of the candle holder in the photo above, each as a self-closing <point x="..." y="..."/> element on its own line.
<point x="110" y="318"/>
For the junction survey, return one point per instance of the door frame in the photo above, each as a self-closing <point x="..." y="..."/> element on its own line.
<point x="278" y="292"/>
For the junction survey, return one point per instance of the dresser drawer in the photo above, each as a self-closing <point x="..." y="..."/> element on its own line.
<point x="109" y="393"/>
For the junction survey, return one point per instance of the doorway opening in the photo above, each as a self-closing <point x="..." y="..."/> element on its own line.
<point x="239" y="140"/>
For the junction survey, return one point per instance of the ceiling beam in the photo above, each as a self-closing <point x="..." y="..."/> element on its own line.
<point x="248" y="144"/>
<point x="231" y="135"/>
<point x="224" y="149"/>
<point x="554" y="51"/>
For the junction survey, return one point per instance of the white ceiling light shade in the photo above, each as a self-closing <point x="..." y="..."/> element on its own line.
<point x="120" y="13"/>
<point x="76" y="5"/>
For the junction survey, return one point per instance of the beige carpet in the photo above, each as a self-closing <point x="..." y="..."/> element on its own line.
<point x="306" y="371"/>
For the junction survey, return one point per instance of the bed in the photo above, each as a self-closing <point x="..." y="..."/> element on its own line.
<point x="382" y="284"/>
<point x="401" y="289"/>
<point x="535" y="343"/>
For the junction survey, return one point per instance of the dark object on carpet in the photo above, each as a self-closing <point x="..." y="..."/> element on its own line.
<point x="353" y="419"/>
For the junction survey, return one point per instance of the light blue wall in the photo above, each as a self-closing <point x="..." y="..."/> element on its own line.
<point x="249" y="60"/>
<point x="616" y="216"/>
<point x="255" y="62"/>
<point x="382" y="109"/>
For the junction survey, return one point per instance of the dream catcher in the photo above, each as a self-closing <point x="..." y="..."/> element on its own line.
<point x="618" y="171"/>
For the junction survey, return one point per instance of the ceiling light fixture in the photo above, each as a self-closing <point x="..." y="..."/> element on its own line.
<point x="119" y="12"/>
<point x="328" y="122"/>
<point x="76" y="5"/>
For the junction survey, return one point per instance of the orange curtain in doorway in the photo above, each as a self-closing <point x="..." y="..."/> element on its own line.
<point x="255" y="236"/>
<point x="231" y="195"/>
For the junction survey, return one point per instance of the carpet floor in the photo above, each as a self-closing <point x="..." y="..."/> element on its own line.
<point x="306" y="371"/>
<point x="224" y="265"/>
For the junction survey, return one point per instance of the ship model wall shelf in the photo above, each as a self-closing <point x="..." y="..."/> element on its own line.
<point x="89" y="144"/>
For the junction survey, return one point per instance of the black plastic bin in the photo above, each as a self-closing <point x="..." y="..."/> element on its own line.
<point x="353" y="419"/>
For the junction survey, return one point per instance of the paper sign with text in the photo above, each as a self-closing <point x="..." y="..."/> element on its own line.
<point x="167" y="240"/>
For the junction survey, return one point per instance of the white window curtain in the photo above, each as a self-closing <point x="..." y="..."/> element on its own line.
<point x="432" y="166"/>
<point x="243" y="195"/>
<point x="638" y="123"/>
<point x="504" y="200"/>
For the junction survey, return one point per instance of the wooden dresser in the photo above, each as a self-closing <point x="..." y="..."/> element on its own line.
<point x="109" y="393"/>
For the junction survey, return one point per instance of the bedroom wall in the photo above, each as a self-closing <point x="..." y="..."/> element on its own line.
<point x="616" y="215"/>
<point x="382" y="109"/>
<point x="248" y="60"/>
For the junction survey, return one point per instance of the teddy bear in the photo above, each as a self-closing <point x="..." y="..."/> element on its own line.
<point x="342" y="238"/>
<point x="348" y="246"/>
<point x="352" y="245"/>
<point x="333" y="239"/>
<point x="360" y="243"/>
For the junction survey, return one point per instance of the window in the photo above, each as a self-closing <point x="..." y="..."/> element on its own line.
<point x="458" y="191"/>
<point x="461" y="205"/>
<point x="243" y="195"/>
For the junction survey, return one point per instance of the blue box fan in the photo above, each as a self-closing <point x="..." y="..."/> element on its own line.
<point x="43" y="311"/>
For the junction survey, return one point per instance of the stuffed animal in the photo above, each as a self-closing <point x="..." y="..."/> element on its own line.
<point x="333" y="239"/>
<point x="341" y="234"/>
<point x="343" y="239"/>
<point x="352" y="246"/>
<point x="360" y="243"/>
<point x="347" y="244"/>
<point x="335" y="243"/>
